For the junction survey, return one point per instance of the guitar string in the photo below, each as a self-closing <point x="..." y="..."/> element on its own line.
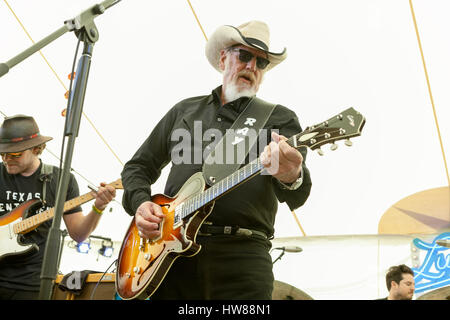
<point x="197" y="201"/>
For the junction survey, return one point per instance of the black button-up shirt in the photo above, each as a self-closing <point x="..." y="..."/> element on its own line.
<point x="253" y="204"/>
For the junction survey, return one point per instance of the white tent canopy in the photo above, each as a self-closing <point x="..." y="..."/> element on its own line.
<point x="346" y="53"/>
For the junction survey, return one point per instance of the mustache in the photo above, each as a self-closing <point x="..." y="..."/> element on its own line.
<point x="247" y="74"/>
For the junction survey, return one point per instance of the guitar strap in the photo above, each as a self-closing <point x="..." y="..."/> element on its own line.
<point x="45" y="177"/>
<point x="231" y="151"/>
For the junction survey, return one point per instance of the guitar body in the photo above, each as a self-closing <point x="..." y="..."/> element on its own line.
<point x="143" y="263"/>
<point x="16" y="224"/>
<point x="11" y="244"/>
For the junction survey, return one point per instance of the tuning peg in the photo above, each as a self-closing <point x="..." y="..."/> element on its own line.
<point x="334" y="146"/>
<point x="320" y="152"/>
<point x="348" y="143"/>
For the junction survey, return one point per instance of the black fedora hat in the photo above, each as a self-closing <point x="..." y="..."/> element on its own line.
<point x="19" y="133"/>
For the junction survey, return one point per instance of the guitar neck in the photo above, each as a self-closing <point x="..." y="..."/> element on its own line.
<point x="34" y="221"/>
<point x="220" y="188"/>
<point x="345" y="125"/>
<point x="225" y="185"/>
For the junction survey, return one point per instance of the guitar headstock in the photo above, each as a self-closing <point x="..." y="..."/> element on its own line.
<point x="345" y="125"/>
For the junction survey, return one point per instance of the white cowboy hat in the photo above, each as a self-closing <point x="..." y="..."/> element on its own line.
<point x="253" y="34"/>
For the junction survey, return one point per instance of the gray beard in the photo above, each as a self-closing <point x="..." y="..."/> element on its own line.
<point x="231" y="93"/>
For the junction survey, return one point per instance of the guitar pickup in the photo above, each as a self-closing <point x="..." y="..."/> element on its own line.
<point x="177" y="217"/>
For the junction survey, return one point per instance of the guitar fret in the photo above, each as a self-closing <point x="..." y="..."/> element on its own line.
<point x="33" y="221"/>
<point x="210" y="194"/>
<point x="200" y="201"/>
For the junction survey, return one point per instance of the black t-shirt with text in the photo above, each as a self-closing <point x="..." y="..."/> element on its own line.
<point x="24" y="273"/>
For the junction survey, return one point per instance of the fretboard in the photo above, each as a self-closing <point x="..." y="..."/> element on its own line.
<point x="223" y="186"/>
<point x="220" y="188"/>
<point x="34" y="221"/>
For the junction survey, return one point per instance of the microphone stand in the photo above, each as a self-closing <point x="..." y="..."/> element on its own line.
<point x="86" y="31"/>
<point x="64" y="235"/>
<point x="279" y="257"/>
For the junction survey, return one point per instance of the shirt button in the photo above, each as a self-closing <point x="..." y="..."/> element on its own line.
<point x="219" y="119"/>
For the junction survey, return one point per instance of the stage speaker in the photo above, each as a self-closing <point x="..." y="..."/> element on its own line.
<point x="105" y="290"/>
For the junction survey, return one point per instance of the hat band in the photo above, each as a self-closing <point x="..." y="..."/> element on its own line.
<point x="252" y="41"/>
<point x="3" y="140"/>
<point x="257" y="43"/>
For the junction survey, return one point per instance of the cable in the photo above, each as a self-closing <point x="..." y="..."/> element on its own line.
<point x="100" y="280"/>
<point x="29" y="36"/>
<point x="68" y="100"/>
<point x="298" y="223"/>
<point x="67" y="110"/>
<point x="60" y="81"/>
<point x="198" y="22"/>
<point x="429" y="89"/>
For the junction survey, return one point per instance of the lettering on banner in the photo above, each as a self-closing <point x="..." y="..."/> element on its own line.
<point x="435" y="269"/>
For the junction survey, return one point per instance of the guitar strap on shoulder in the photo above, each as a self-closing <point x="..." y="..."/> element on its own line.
<point x="45" y="177"/>
<point x="231" y="151"/>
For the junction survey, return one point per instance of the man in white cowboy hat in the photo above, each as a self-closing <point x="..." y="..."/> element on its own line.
<point x="21" y="179"/>
<point x="234" y="261"/>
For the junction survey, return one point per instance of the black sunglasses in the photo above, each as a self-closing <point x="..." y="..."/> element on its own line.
<point x="246" y="56"/>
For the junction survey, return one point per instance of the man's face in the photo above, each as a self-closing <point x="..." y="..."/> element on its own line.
<point x="405" y="289"/>
<point x="19" y="164"/>
<point x="244" y="77"/>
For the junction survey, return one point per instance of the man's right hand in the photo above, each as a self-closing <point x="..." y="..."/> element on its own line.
<point x="148" y="217"/>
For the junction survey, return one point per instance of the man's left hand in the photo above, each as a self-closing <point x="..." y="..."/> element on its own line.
<point x="281" y="160"/>
<point x="104" y="195"/>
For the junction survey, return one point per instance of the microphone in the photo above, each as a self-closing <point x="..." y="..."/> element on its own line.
<point x="444" y="243"/>
<point x="290" y="249"/>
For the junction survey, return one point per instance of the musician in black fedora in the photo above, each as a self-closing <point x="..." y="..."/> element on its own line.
<point x="234" y="261"/>
<point x="22" y="178"/>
